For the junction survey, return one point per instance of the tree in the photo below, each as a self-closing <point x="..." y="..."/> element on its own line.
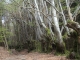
<point x="56" y="27"/>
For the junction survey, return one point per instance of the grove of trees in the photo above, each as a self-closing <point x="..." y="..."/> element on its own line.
<point x="41" y="25"/>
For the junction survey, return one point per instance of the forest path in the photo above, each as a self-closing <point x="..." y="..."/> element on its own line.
<point x="6" y="55"/>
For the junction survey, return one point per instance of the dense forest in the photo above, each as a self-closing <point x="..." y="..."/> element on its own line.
<point x="41" y="25"/>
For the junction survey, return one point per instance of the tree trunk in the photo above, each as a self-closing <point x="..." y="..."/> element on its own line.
<point x="69" y="11"/>
<point x="60" y="42"/>
<point x="64" y="19"/>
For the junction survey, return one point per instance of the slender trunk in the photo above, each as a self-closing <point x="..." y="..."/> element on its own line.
<point x="64" y="19"/>
<point x="38" y="12"/>
<point x="5" y="40"/>
<point x="6" y="43"/>
<point x="69" y="11"/>
<point x="76" y="12"/>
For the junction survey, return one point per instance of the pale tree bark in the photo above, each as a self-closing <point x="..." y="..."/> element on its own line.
<point x="69" y="11"/>
<point x="38" y="17"/>
<point x="38" y="12"/>
<point x="76" y="12"/>
<point x="47" y="22"/>
<point x="56" y="26"/>
<point x="64" y="19"/>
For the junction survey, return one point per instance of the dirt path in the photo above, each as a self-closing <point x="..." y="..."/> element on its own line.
<point x="6" y="55"/>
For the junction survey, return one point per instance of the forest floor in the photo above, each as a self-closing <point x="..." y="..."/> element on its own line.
<point x="24" y="55"/>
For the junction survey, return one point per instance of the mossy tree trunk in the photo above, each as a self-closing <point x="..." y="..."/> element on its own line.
<point x="60" y="44"/>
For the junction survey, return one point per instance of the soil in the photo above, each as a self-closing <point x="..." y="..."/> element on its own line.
<point x="24" y="55"/>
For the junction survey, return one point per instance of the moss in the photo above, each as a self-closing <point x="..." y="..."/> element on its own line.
<point x="78" y="56"/>
<point x="69" y="21"/>
<point x="64" y="7"/>
<point x="1" y="40"/>
<point x="38" y="46"/>
<point x="47" y="31"/>
<point x="60" y="47"/>
<point x="65" y="54"/>
<point x="65" y="36"/>
<point x="49" y="39"/>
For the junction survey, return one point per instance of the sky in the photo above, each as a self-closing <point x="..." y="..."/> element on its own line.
<point x="7" y="1"/>
<point x="2" y="20"/>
